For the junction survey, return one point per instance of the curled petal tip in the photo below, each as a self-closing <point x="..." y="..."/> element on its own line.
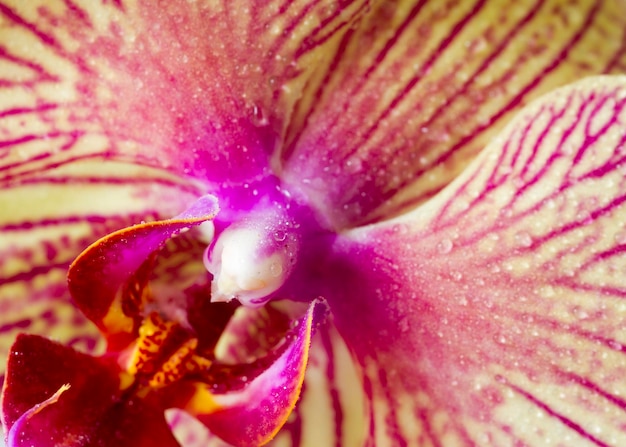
<point x="115" y="269"/>
<point x="253" y="415"/>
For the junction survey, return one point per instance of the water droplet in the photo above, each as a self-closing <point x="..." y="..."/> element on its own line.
<point x="620" y="238"/>
<point x="276" y="269"/>
<point x="400" y="229"/>
<point x="404" y="324"/>
<point x="523" y="239"/>
<point x="258" y="117"/>
<point x="444" y="246"/>
<point x="584" y="216"/>
<point x="614" y="345"/>
<point x="280" y="235"/>
<point x="581" y="314"/>
<point x="354" y="165"/>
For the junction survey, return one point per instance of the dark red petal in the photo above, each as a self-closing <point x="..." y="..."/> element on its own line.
<point x="92" y="411"/>
<point x="97" y="275"/>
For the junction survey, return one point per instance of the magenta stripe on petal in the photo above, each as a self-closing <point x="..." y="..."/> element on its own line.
<point x="497" y="307"/>
<point x="401" y="115"/>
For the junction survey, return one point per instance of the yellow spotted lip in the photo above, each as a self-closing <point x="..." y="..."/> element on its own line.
<point x="154" y="361"/>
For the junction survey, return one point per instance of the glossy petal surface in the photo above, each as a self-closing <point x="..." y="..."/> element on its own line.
<point x="59" y="405"/>
<point x="254" y="415"/>
<point x="332" y="410"/>
<point x="420" y="87"/>
<point x="494" y="315"/>
<point x="92" y="411"/>
<point x="108" y="280"/>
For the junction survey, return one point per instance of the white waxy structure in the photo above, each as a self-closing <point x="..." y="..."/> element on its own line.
<point x="249" y="263"/>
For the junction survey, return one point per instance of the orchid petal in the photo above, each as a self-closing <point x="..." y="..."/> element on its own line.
<point x="332" y="408"/>
<point x="494" y="313"/>
<point x="65" y="178"/>
<point x="46" y="220"/>
<point x="203" y="100"/>
<point x="254" y="414"/>
<point x="107" y="280"/>
<point x="419" y="88"/>
<point x="54" y="395"/>
<point x="107" y="109"/>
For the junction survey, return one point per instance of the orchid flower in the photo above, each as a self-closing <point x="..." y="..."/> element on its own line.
<point x="352" y="223"/>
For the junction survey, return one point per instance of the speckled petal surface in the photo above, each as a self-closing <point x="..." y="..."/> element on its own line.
<point x="493" y="315"/>
<point x="253" y="415"/>
<point x="107" y="280"/>
<point x="420" y="87"/>
<point x="91" y="411"/>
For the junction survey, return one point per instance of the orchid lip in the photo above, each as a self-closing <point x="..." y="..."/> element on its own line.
<point x="161" y="353"/>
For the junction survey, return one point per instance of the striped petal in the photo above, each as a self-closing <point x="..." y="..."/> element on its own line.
<point x="112" y="113"/>
<point x="494" y="314"/>
<point x="157" y="85"/>
<point x="420" y="87"/>
<point x="332" y="408"/>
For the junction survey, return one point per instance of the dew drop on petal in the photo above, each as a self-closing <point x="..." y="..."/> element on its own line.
<point x="615" y="345"/>
<point x="620" y="238"/>
<point x="276" y="269"/>
<point x="404" y="325"/>
<point x="523" y="239"/>
<point x="259" y="119"/>
<point x="280" y="235"/>
<point x="444" y="246"/>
